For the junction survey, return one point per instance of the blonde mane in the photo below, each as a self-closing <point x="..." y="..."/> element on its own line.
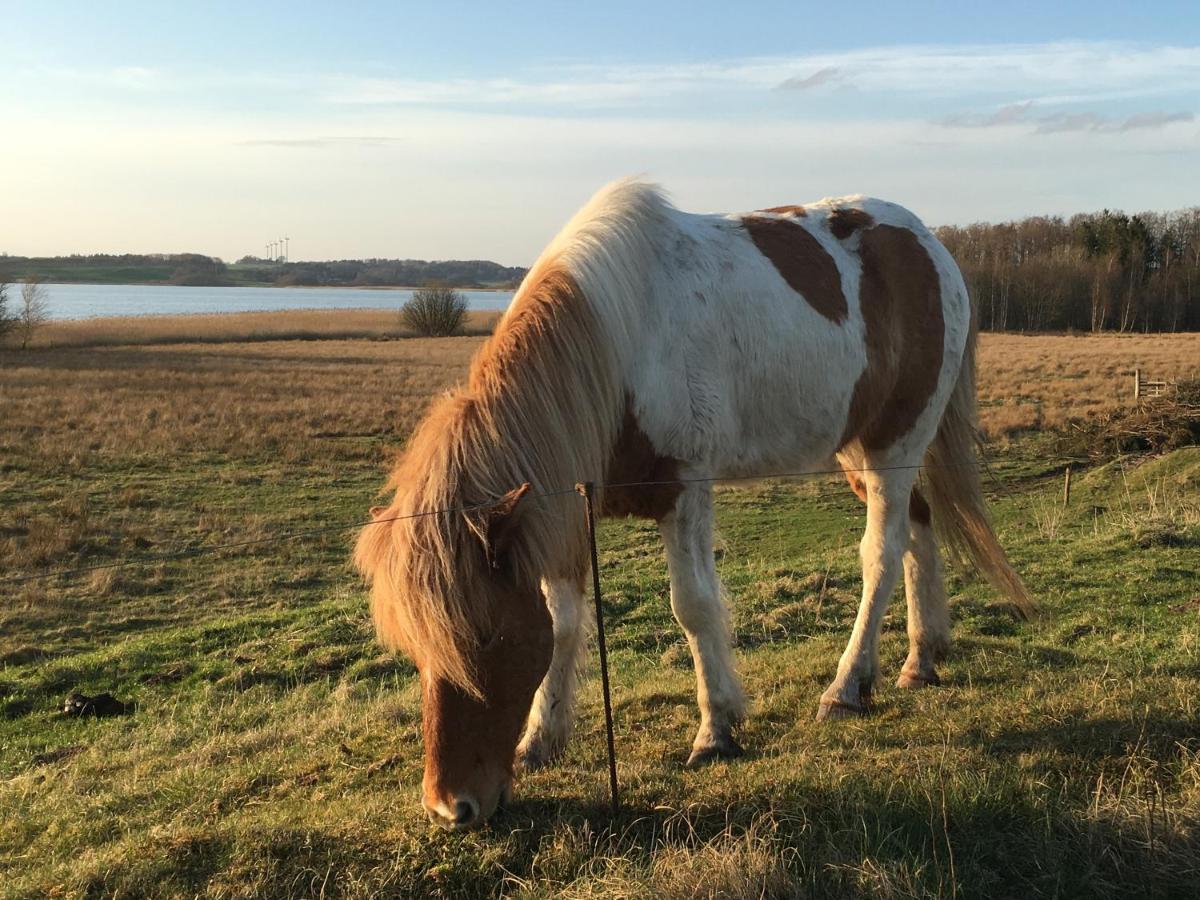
<point x="542" y="404"/>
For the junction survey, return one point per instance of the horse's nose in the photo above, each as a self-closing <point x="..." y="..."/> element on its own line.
<point x="465" y="812"/>
<point x="461" y="812"/>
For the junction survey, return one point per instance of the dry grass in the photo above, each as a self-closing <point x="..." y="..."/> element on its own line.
<point x="1026" y="382"/>
<point x="300" y="325"/>
<point x="1030" y="382"/>
<point x="293" y="398"/>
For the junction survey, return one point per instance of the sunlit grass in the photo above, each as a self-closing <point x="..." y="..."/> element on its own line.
<point x="275" y="749"/>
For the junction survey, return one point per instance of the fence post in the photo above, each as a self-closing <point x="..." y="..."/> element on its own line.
<point x="1067" y="486"/>
<point x="586" y="490"/>
<point x="1137" y="384"/>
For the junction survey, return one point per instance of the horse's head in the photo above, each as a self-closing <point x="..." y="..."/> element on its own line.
<point x="482" y="648"/>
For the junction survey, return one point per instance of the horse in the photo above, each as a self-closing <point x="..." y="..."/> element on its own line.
<point x="653" y="345"/>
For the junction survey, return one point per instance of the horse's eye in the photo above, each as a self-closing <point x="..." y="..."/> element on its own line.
<point x="492" y="641"/>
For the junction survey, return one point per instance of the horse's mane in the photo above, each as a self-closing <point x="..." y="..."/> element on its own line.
<point x="542" y="404"/>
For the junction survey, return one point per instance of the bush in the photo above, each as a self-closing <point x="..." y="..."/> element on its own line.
<point x="434" y="311"/>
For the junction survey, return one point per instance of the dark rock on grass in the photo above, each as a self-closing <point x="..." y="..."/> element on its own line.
<point x="101" y="705"/>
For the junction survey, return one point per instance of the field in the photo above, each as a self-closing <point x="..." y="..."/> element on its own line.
<point x="275" y="750"/>
<point x="246" y="327"/>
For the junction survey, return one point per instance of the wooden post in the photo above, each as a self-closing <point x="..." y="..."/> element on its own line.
<point x="1137" y="384"/>
<point x="1067" y="486"/>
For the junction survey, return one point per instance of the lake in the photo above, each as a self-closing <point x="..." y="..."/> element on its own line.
<point x="82" y="301"/>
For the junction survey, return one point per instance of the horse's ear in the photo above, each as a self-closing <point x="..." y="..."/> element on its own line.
<point x="499" y="521"/>
<point x="377" y="511"/>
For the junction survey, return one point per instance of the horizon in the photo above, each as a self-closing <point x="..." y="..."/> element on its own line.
<point x="522" y="265"/>
<point x="213" y="130"/>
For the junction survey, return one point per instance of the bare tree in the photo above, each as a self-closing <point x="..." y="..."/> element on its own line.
<point x="8" y="318"/>
<point x="34" y="312"/>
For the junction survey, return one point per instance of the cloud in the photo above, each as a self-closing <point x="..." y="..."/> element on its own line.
<point x="806" y="82"/>
<point x="1015" y="114"/>
<point x="1012" y="114"/>
<point x="1155" y="120"/>
<point x="1078" y="71"/>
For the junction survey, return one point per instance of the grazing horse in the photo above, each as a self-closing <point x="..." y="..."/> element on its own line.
<point x="653" y="345"/>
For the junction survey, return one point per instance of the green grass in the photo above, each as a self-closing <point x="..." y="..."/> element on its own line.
<point x="275" y="750"/>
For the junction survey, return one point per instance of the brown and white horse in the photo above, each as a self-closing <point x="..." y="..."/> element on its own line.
<point x="650" y="344"/>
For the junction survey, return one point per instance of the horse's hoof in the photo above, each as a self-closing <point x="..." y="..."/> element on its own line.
<point x="832" y="710"/>
<point x="533" y="758"/>
<point x="725" y="748"/>
<point x="914" y="680"/>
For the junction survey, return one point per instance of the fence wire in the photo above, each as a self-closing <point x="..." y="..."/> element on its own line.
<point x="206" y="549"/>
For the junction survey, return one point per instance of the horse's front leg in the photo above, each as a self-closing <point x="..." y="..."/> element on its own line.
<point x="698" y="606"/>
<point x="552" y="714"/>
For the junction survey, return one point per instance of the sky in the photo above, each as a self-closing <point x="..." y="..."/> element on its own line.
<point x="473" y="130"/>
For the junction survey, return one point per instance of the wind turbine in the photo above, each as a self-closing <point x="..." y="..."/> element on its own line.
<point x="285" y="248"/>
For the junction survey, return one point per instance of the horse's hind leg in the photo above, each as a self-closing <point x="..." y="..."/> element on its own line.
<point x="928" y="612"/>
<point x="553" y="711"/>
<point x="882" y="550"/>
<point x="698" y="606"/>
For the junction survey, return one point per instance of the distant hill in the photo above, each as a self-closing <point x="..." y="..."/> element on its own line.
<point x="196" y="269"/>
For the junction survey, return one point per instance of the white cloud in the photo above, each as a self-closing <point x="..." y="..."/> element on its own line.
<point x="1025" y="114"/>
<point x="1058" y="71"/>
<point x="816" y="79"/>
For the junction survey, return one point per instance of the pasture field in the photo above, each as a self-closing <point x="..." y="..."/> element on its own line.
<point x="275" y="749"/>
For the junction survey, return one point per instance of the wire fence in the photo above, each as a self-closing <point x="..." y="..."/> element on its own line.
<point x="587" y="490"/>
<point x="207" y="549"/>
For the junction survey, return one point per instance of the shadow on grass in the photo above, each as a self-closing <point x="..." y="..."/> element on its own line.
<point x="859" y="839"/>
<point x="1156" y="737"/>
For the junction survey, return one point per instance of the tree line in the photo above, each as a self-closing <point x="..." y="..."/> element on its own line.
<point x="198" y="269"/>
<point x="1104" y="271"/>
<point x="461" y="273"/>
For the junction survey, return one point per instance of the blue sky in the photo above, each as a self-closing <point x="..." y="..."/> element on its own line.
<point x="473" y="130"/>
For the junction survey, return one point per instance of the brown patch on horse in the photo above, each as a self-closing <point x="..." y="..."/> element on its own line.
<point x="846" y="220"/>
<point x="802" y="262"/>
<point x="902" y="313"/>
<point x="918" y="507"/>
<point x="857" y="485"/>
<point x="797" y="211"/>
<point x="635" y="459"/>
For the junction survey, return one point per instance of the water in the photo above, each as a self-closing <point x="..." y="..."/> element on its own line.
<point x="83" y="301"/>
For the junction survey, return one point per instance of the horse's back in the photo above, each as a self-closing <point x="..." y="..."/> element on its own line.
<point x="770" y="339"/>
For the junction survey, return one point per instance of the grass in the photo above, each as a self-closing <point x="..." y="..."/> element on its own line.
<point x="275" y="750"/>
<point x="1036" y="381"/>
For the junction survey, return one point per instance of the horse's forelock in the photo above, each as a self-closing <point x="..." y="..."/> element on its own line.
<point x="424" y="562"/>
<point x="549" y="373"/>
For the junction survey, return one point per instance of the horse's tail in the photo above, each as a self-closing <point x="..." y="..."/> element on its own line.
<point x="952" y="475"/>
